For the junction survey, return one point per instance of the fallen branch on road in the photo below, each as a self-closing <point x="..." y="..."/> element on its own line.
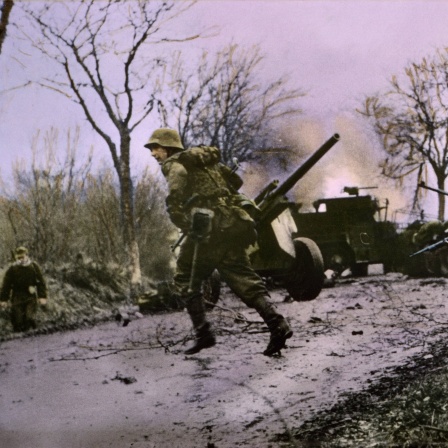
<point x="237" y="317"/>
<point x="116" y="350"/>
<point x="434" y="428"/>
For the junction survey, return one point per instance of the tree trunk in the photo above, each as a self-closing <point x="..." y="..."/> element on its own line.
<point x="127" y="211"/>
<point x="4" y="20"/>
<point x="441" y="186"/>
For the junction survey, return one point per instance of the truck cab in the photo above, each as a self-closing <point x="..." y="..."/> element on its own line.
<point x="349" y="231"/>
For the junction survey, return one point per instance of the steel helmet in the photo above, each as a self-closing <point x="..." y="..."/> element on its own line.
<point x="168" y="138"/>
<point x="21" y="250"/>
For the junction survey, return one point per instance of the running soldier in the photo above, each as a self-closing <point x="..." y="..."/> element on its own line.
<point x="203" y="202"/>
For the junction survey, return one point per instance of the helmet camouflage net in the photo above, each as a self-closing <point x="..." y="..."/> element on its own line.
<point x="21" y="250"/>
<point x="168" y="138"/>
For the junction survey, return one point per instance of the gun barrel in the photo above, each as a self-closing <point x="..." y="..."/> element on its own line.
<point x="283" y="188"/>
<point x="430" y="247"/>
<point x="437" y="190"/>
<point x="266" y="190"/>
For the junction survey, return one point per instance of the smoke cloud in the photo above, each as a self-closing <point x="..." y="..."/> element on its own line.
<point x="352" y="162"/>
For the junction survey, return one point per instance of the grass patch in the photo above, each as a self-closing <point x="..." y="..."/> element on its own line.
<point x="83" y="295"/>
<point x="407" y="409"/>
<point x="417" y="417"/>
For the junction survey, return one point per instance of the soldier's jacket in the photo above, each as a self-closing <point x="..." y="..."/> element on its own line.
<point x="196" y="178"/>
<point x="18" y="279"/>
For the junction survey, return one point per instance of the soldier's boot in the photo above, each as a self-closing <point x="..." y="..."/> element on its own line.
<point x="277" y="324"/>
<point x="204" y="334"/>
<point x="204" y="339"/>
<point x="280" y="332"/>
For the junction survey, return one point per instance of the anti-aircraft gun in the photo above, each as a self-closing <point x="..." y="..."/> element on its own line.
<point x="295" y="263"/>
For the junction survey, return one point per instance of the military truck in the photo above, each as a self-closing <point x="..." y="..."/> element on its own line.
<point x="350" y="231"/>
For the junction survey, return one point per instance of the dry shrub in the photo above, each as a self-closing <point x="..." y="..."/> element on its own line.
<point x="63" y="209"/>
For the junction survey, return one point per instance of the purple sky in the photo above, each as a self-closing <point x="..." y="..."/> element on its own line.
<point x="338" y="51"/>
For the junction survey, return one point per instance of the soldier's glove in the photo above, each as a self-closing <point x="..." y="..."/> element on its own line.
<point x="180" y="221"/>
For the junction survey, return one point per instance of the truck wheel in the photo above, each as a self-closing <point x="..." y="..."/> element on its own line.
<point x="211" y="290"/>
<point x="360" y="269"/>
<point x="432" y="263"/>
<point x="306" y="278"/>
<point x="443" y="257"/>
<point x="340" y="258"/>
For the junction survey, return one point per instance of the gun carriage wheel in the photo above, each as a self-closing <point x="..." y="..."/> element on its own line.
<point x="305" y="279"/>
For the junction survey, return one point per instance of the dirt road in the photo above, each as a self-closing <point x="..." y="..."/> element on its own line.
<point x="113" y="386"/>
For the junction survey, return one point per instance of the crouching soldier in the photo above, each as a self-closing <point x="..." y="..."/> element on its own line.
<point x="24" y="286"/>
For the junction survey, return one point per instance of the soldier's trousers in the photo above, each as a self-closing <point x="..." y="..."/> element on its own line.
<point x="233" y="264"/>
<point x="23" y="312"/>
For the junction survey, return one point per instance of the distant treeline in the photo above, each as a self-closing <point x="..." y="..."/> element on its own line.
<point x="64" y="210"/>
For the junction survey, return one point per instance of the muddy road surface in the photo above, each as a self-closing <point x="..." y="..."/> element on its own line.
<point x="119" y="387"/>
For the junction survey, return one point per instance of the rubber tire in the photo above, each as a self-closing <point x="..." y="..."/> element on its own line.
<point x="360" y="269"/>
<point x="346" y="254"/>
<point x="306" y="278"/>
<point x="432" y="263"/>
<point x="443" y="258"/>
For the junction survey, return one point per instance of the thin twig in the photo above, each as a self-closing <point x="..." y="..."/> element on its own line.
<point x="434" y="428"/>
<point x="114" y="350"/>
<point x="238" y="317"/>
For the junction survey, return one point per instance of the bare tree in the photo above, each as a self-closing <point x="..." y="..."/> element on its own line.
<point x="59" y="207"/>
<point x="5" y="9"/>
<point x="43" y="206"/>
<point x="106" y="52"/>
<point x="101" y="218"/>
<point x="412" y="121"/>
<point x="100" y="223"/>
<point x="224" y="102"/>
<point x="153" y="226"/>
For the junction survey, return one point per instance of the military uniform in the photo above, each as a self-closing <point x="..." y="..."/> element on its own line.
<point x="23" y="284"/>
<point x="197" y="180"/>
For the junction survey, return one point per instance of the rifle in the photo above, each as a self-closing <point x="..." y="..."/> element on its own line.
<point x="434" y="246"/>
<point x="201" y="227"/>
<point x="178" y="242"/>
<point x="236" y="165"/>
